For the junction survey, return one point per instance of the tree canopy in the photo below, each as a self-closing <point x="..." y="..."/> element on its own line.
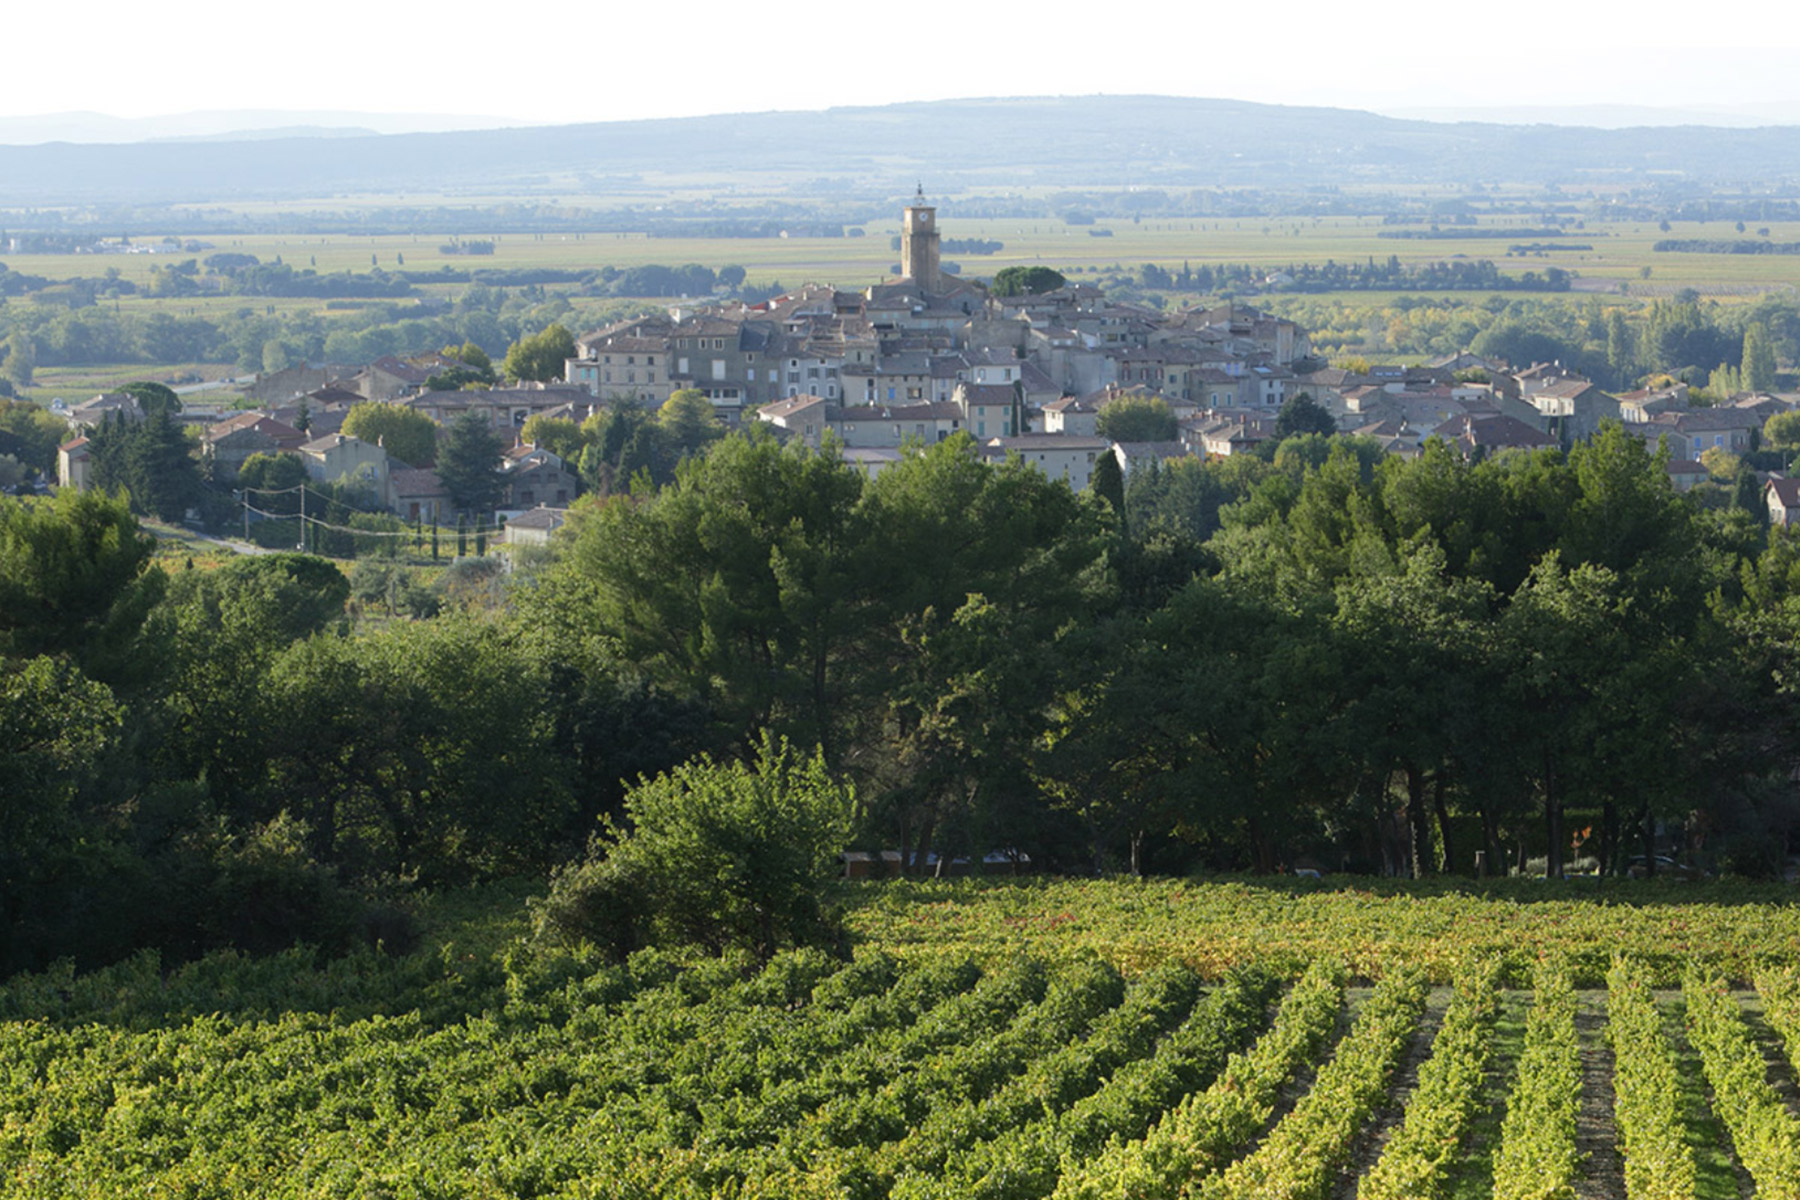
<point x="1301" y="414"/>
<point x="1027" y="281"/>
<point x="468" y="462"/>
<point x="542" y="356"/>
<point x="724" y="853"/>
<point x="406" y="434"/>
<point x="1137" y="419"/>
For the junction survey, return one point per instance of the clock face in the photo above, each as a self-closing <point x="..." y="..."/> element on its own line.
<point x="924" y="218"/>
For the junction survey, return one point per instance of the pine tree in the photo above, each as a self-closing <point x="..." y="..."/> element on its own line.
<point x="468" y="462"/>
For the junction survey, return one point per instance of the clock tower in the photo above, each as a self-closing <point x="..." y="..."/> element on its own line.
<point x="919" y="243"/>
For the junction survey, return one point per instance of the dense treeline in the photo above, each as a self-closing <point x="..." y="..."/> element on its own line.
<point x="1614" y="344"/>
<point x="1333" y="276"/>
<point x="1368" y="662"/>
<point x="255" y="339"/>
<point x="1322" y="656"/>
<point x="493" y="311"/>
<point x="1725" y="246"/>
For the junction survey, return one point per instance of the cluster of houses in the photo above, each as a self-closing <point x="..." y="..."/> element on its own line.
<point x="301" y="411"/>
<point x="929" y="355"/>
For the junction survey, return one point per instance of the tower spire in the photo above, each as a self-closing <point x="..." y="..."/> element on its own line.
<point x="919" y="243"/>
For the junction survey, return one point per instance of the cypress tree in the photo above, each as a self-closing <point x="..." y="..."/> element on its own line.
<point x="1108" y="482"/>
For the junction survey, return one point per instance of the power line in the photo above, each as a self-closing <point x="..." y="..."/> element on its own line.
<point x="470" y="530"/>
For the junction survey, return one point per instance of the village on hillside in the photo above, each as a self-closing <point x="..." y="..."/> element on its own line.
<point x="927" y="355"/>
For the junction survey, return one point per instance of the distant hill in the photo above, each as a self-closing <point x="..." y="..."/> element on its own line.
<point x="1041" y="141"/>
<point x="242" y="124"/>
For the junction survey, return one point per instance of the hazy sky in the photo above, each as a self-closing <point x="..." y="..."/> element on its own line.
<point x="619" y="59"/>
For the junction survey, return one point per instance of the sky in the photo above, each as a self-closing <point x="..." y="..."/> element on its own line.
<point x="626" y="59"/>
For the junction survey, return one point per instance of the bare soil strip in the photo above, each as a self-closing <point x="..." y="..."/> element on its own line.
<point x="1780" y="1071"/>
<point x="1370" y="1141"/>
<point x="1596" y="1133"/>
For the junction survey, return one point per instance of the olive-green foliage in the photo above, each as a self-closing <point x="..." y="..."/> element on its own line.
<point x="75" y="579"/>
<point x="153" y="397"/>
<point x="427" y="750"/>
<point x="405" y="434"/>
<point x="1026" y="281"/>
<point x="1302" y="414"/>
<point x="541" y="356"/>
<point x="689" y="418"/>
<point x="1137" y="419"/>
<point x="559" y="435"/>
<point x="722" y="853"/>
<point x="151" y="459"/>
<point x="31" y="434"/>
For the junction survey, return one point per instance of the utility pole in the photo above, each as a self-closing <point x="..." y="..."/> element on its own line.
<point x="303" y="518"/>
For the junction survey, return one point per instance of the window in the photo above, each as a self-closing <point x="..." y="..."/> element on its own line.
<point x="718" y="343"/>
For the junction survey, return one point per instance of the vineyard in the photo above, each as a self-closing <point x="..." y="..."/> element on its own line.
<point x="1065" y="1040"/>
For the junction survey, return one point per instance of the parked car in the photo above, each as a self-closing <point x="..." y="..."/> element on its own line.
<point x="1666" y="867"/>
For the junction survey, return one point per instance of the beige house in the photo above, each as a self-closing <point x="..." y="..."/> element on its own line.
<point x="417" y="494"/>
<point x="1783" y="496"/>
<point x="338" y="456"/>
<point x="72" y="464"/>
<point x="534" y="527"/>
<point x="1076" y="415"/>
<point x="989" y="410"/>
<point x="624" y="366"/>
<point x="228" y="443"/>
<point x="1056" y="455"/>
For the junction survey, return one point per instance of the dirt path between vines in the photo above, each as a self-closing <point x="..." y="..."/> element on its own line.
<point x="1602" y="1174"/>
<point x="1388" y="1117"/>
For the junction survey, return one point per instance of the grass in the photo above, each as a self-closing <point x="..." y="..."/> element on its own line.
<point x="1472" y="1177"/>
<point x="1715" y="1168"/>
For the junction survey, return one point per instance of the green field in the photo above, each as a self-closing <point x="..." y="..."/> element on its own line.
<point x="1041" y="1038"/>
<point x="1620" y="251"/>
